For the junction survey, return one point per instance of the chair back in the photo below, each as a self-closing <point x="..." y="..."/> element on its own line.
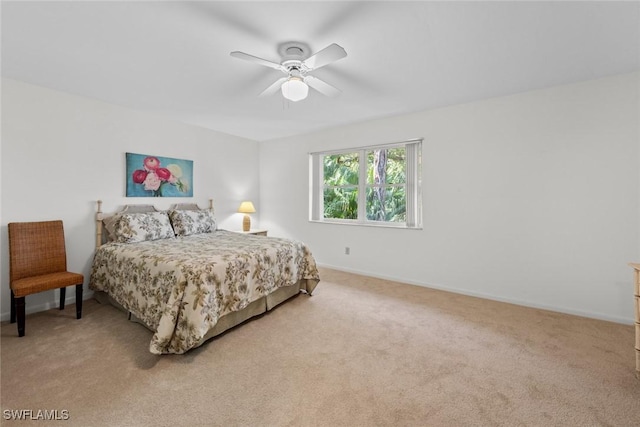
<point x="36" y="248"/>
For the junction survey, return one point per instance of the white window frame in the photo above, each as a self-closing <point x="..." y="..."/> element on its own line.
<point x="413" y="186"/>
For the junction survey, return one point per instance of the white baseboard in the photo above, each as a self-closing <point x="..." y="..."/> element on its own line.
<point x="29" y="309"/>
<point x="592" y="315"/>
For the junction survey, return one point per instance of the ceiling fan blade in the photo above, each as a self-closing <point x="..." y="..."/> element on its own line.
<point x="329" y="54"/>
<point x="322" y="87"/>
<point x="251" y="58"/>
<point x="273" y="88"/>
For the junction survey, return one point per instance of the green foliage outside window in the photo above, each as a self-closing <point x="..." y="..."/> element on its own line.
<point x="341" y="175"/>
<point x="385" y="187"/>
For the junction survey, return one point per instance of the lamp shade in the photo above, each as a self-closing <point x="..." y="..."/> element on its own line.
<point x="246" y="207"/>
<point x="294" y="89"/>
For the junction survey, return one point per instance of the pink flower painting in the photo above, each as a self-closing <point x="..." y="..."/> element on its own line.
<point x="154" y="176"/>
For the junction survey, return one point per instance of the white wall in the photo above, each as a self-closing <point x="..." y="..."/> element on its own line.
<point x="531" y="198"/>
<point x="60" y="153"/>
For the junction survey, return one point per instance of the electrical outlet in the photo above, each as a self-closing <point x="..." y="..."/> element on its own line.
<point x="347" y="250"/>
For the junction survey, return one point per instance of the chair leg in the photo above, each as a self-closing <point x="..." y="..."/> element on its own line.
<point x="79" y="301"/>
<point x="63" y="296"/>
<point x="20" y="313"/>
<point x="13" y="308"/>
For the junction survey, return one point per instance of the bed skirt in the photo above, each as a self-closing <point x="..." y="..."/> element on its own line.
<point x="235" y="318"/>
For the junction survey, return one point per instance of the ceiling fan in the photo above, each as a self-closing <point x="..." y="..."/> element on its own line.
<point x="296" y="64"/>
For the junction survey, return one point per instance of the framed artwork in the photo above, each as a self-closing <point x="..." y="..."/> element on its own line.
<point x="155" y="176"/>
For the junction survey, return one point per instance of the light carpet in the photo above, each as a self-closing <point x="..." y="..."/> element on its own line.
<point x="359" y="352"/>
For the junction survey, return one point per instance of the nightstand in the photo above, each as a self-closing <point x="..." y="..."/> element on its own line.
<point x="254" y="232"/>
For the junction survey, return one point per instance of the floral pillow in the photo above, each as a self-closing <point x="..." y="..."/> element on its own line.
<point x="139" y="227"/>
<point x="186" y="223"/>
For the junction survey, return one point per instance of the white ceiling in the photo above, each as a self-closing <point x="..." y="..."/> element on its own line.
<point x="172" y="58"/>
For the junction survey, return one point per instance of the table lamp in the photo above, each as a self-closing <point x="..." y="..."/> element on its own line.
<point x="246" y="208"/>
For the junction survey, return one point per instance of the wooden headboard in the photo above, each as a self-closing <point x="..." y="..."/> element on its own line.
<point x="101" y="217"/>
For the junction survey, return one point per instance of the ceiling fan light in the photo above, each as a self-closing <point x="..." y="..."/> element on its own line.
<point x="294" y="89"/>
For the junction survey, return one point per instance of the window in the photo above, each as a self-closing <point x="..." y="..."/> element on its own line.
<point x="377" y="185"/>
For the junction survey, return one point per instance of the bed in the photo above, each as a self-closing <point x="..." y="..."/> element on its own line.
<point x="188" y="281"/>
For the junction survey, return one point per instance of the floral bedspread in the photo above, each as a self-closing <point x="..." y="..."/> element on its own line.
<point x="181" y="286"/>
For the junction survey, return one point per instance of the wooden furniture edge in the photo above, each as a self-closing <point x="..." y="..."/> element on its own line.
<point x="99" y="218"/>
<point x="636" y="284"/>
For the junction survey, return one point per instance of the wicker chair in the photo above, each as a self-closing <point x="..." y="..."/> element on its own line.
<point x="38" y="262"/>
